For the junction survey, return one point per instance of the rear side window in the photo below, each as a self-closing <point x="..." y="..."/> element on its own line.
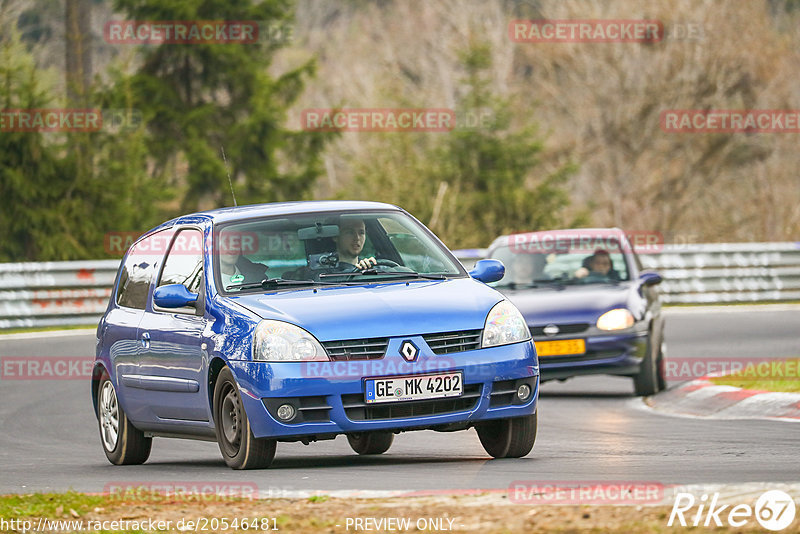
<point x="184" y="264"/>
<point x="137" y="273"/>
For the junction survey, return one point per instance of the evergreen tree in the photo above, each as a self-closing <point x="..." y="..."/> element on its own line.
<point x="203" y="98"/>
<point x="34" y="178"/>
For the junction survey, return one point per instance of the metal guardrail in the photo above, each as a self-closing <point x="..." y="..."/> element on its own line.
<point x="55" y="293"/>
<point x="728" y="272"/>
<point x="77" y="292"/>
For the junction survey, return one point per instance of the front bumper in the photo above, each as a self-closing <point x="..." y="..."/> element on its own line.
<point x="613" y="354"/>
<point x="332" y="393"/>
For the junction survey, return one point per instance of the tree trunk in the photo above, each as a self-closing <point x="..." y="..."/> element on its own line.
<point x="78" y="37"/>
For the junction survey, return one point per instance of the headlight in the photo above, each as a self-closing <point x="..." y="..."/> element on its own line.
<point x="276" y="341"/>
<point x="504" y="325"/>
<point x="617" y="319"/>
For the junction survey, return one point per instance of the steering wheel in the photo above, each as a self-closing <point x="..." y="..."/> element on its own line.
<point x="387" y="263"/>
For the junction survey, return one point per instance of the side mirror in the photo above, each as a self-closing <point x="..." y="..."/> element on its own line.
<point x="488" y="271"/>
<point x="174" y="296"/>
<point x="650" y="278"/>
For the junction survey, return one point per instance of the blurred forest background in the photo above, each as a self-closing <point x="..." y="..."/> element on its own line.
<point x="569" y="135"/>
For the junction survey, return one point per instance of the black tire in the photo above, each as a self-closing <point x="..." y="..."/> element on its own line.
<point x="370" y="442"/>
<point x="239" y="448"/>
<point x="646" y="382"/>
<point x="123" y="443"/>
<point x="662" y="381"/>
<point x="508" y="438"/>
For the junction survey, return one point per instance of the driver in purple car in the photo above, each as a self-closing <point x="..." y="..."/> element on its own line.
<point x="350" y="242"/>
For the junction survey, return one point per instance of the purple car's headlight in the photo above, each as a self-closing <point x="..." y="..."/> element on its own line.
<point x="616" y="319"/>
<point x="276" y="341"/>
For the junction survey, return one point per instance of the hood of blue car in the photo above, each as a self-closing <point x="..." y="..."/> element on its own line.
<point x="568" y="304"/>
<point x="379" y="310"/>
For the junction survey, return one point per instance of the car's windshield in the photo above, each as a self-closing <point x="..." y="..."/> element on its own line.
<point x="325" y="248"/>
<point x="562" y="266"/>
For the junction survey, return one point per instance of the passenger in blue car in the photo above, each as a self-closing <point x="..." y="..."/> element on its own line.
<point x="598" y="268"/>
<point x="350" y="243"/>
<point x="235" y="269"/>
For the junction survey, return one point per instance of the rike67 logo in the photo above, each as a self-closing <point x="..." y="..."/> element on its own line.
<point x="774" y="510"/>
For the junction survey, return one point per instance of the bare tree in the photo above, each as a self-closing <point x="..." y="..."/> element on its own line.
<point x="78" y="50"/>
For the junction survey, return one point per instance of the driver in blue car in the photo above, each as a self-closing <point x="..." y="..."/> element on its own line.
<point x="350" y="243"/>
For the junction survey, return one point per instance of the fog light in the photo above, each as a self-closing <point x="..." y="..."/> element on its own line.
<point x="523" y="392"/>
<point x="286" y="412"/>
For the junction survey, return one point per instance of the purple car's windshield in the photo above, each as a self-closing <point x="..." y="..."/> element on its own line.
<point x="526" y="268"/>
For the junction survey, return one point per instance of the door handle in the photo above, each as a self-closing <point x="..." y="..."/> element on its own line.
<point x="146" y="340"/>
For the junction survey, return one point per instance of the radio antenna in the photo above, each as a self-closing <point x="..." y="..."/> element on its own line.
<point x="230" y="182"/>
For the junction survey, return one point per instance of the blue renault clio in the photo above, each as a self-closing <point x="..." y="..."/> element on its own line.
<point x="302" y="321"/>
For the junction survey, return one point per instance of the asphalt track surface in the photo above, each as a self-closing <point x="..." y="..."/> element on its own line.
<point x="590" y="429"/>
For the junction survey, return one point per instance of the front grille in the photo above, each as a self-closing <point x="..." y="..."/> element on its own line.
<point x="357" y="410"/>
<point x="577" y="328"/>
<point x="372" y="348"/>
<point x="447" y="342"/>
<point x="587" y="357"/>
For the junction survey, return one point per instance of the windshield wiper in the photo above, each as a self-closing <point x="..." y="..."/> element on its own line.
<point x="396" y="274"/>
<point x="271" y="283"/>
<point x="559" y="281"/>
<point x="515" y="285"/>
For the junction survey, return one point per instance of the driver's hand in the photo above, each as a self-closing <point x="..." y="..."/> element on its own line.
<point x="366" y="263"/>
<point x="583" y="272"/>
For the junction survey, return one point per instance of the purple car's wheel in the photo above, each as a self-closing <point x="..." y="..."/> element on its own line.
<point x="370" y="442"/>
<point x="646" y="382"/>
<point x="662" y="380"/>
<point x="239" y="448"/>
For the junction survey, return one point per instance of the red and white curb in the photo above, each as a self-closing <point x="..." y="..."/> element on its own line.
<point x="543" y="492"/>
<point x="702" y="398"/>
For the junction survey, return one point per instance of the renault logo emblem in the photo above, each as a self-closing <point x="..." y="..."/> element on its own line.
<point x="550" y="330"/>
<point x="409" y="351"/>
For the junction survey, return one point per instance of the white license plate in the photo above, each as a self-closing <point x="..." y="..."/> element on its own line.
<point x="419" y="387"/>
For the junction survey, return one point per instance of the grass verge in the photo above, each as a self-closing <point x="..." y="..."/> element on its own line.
<point x="484" y="514"/>
<point x="48" y="329"/>
<point x="786" y="371"/>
